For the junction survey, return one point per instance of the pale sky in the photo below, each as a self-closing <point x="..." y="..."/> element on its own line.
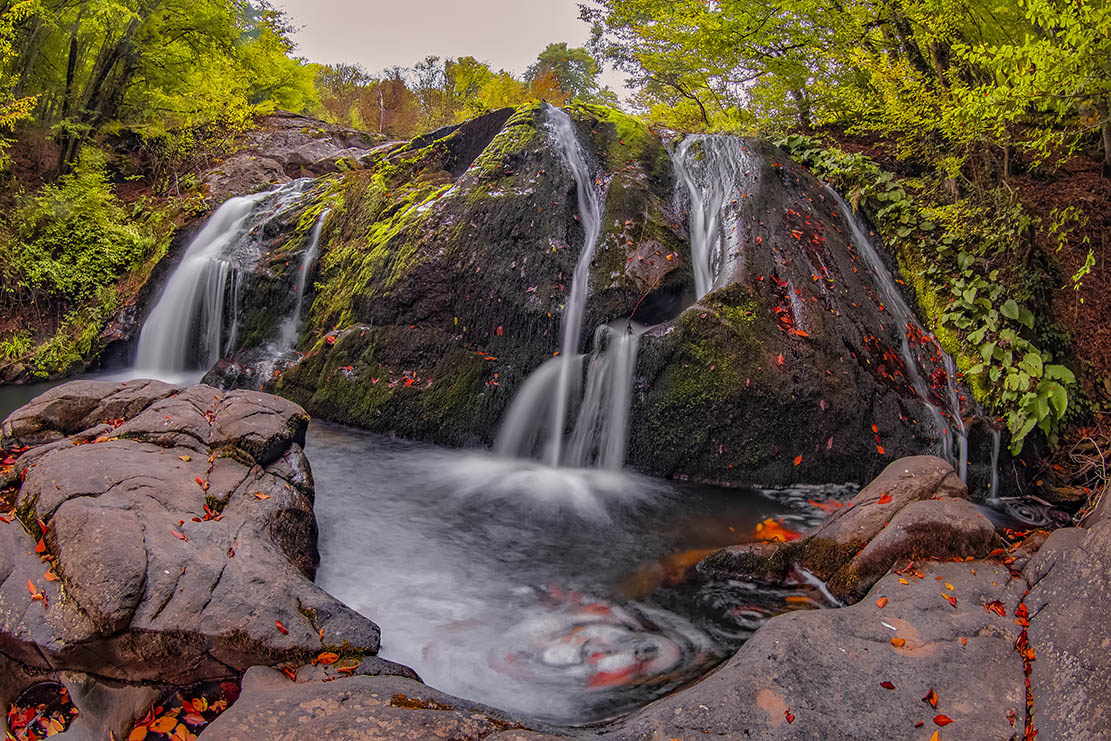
<point x="506" y="34"/>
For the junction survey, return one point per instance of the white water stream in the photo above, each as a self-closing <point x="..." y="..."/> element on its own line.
<point x="950" y="417"/>
<point x="185" y="330"/>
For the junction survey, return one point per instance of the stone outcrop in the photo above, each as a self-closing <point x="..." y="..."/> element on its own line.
<point x="917" y="508"/>
<point x="162" y="535"/>
<point x="285" y="146"/>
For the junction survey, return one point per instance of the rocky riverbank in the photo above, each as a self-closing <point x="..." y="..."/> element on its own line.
<point x="163" y="536"/>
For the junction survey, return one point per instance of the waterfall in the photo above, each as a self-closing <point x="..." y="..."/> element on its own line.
<point x="897" y="306"/>
<point x="590" y="214"/>
<point x="185" y="329"/>
<point x="602" y="426"/>
<point x="712" y="169"/>
<point x="290" y="326"/>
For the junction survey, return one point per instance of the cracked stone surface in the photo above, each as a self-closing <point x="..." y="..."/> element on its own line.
<point x="386" y="707"/>
<point x="149" y="584"/>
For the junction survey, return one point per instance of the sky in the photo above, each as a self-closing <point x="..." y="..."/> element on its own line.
<point x="506" y="34"/>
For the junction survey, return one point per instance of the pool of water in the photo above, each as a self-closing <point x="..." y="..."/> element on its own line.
<point x="554" y="593"/>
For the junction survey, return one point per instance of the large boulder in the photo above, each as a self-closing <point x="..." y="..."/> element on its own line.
<point x="162" y="535"/>
<point x="447" y="263"/>
<point x="916" y="509"/>
<point x="285" y="146"/>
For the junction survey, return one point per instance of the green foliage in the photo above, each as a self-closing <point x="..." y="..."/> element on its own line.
<point x="73" y="236"/>
<point x="16" y="346"/>
<point x="975" y="307"/>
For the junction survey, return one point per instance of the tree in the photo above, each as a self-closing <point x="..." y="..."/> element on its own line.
<point x="572" y="71"/>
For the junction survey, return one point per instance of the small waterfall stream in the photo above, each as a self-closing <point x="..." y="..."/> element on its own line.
<point x="944" y="419"/>
<point x="185" y="330"/>
<point x="712" y="169"/>
<point x="545" y="399"/>
<point x="293" y="323"/>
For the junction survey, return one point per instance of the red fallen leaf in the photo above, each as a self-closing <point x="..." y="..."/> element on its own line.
<point x="281" y="628"/>
<point x="884" y="498"/>
<point x="260" y="496"/>
<point x="779" y="359"/>
<point x="327" y="658"/>
<point x="942" y="720"/>
<point x="347" y="669"/>
<point x="500" y="331"/>
<point x="290" y="672"/>
<point x="32" y="588"/>
<point x="1011" y="717"/>
<point x="330" y="339"/>
<point x="50" y="576"/>
<point x="950" y="599"/>
<point x="964" y="641"/>
<point x="199" y="480"/>
<point x="798" y="459"/>
<point x="887" y="685"/>
<point x="881" y="602"/>
<point x="931" y="697"/>
<point x="40" y="547"/>
<point x="997" y="607"/>
<point x="875" y="429"/>
<point x="898" y="642"/>
<point x="880" y="450"/>
<point x="180" y="536"/>
<point x="789" y="715"/>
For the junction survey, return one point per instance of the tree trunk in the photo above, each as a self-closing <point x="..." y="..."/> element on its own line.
<point x="1106" y="129"/>
<point x="802" y="104"/>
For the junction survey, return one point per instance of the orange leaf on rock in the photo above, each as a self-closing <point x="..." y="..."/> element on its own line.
<point x="798" y="459"/>
<point x="887" y="685"/>
<point x="789" y="715"/>
<point x="997" y="607"/>
<point x="180" y="536"/>
<point x="898" y="642"/>
<point x="327" y="658"/>
<point x="260" y="496"/>
<point x="884" y="498"/>
<point x="931" y="697"/>
<point x="138" y="734"/>
<point x="881" y="602"/>
<point x="880" y="450"/>
<point x="281" y="628"/>
<point x="165" y="724"/>
<point x="936" y="736"/>
<point x="942" y="720"/>
<point x="40" y="547"/>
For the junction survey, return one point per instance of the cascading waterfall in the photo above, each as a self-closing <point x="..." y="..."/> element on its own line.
<point x="545" y="398"/>
<point x="290" y="326"/>
<point x="898" y="308"/>
<point x="601" y="429"/>
<point x="996" y="443"/>
<point x="185" y="329"/>
<point x="712" y="169"/>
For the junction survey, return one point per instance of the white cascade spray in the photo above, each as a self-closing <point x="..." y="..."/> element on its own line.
<point x="601" y="429"/>
<point x="996" y="443"/>
<point x="546" y="395"/>
<point x="898" y="308"/>
<point x="293" y="322"/>
<point x="185" y="328"/>
<point x="712" y="169"/>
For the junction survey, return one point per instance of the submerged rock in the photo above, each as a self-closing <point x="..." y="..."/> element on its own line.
<point x="162" y="535"/>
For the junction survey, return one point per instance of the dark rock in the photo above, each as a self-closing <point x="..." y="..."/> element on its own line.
<point x="430" y="330"/>
<point x="385" y="707"/>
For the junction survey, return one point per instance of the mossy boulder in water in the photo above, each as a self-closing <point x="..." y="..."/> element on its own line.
<point x="789" y="369"/>
<point x="448" y="260"/>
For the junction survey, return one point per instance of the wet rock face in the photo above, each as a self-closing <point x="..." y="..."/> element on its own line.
<point x="793" y="354"/>
<point x="177" y="537"/>
<point x="448" y="261"/>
